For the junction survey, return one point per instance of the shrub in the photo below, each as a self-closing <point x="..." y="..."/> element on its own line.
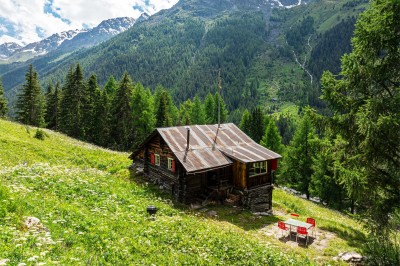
<point x="39" y="134"/>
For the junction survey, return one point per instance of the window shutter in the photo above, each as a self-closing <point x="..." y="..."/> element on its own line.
<point x="173" y="166"/>
<point x="274" y="164"/>
<point x="152" y="158"/>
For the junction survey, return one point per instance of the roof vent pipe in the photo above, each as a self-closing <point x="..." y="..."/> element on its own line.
<point x="187" y="139"/>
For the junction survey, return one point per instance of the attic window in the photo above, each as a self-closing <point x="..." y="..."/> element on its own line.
<point x="157" y="159"/>
<point x="258" y="168"/>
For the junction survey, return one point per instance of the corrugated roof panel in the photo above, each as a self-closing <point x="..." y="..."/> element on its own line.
<point x="204" y="154"/>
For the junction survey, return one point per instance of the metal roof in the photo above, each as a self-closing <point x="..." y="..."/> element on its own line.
<point x="212" y="147"/>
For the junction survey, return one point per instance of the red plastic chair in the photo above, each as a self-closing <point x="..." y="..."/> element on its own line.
<point x="294" y="215"/>
<point x="283" y="227"/>
<point x="302" y="231"/>
<point x="312" y="221"/>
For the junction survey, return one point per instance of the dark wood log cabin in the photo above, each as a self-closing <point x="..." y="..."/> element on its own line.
<point x="204" y="161"/>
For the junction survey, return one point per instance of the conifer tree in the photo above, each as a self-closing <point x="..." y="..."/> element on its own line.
<point x="163" y="115"/>
<point x="90" y="101"/>
<point x="198" y="115"/>
<point x="52" y="106"/>
<point x="365" y="99"/>
<point x="72" y="102"/>
<point x="111" y="87"/>
<point x="223" y="113"/>
<point x="272" y="139"/>
<point x="324" y="184"/>
<point x="299" y="160"/>
<point x="144" y="119"/>
<point x="122" y="120"/>
<point x="3" y="102"/>
<point x="102" y="120"/>
<point x="185" y="113"/>
<point x="257" y="124"/>
<point x="245" y="123"/>
<point x="30" y="102"/>
<point x="209" y="106"/>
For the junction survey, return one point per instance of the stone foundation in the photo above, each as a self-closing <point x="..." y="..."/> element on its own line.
<point x="258" y="199"/>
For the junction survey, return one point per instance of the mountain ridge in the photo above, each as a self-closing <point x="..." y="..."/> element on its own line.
<point x="66" y="40"/>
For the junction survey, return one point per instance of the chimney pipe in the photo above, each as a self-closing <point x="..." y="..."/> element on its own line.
<point x="187" y="139"/>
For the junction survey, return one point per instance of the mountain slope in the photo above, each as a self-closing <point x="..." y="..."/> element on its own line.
<point x="183" y="49"/>
<point x="91" y="212"/>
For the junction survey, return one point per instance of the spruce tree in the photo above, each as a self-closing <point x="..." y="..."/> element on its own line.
<point x="30" y="102"/>
<point x="272" y="139"/>
<point x="144" y="119"/>
<point x="90" y="101"/>
<point x="3" y="102"/>
<point x="102" y="120"/>
<point x="198" y="115"/>
<point x="257" y="124"/>
<point x="52" y="106"/>
<point x="72" y="102"/>
<point x="163" y="114"/>
<point x="122" y="119"/>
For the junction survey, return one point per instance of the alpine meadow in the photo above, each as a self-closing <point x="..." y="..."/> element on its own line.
<point x="259" y="132"/>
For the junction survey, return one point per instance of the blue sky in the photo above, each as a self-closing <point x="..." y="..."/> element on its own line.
<point x="26" y="21"/>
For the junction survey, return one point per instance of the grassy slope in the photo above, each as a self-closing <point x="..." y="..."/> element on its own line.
<point x="96" y="215"/>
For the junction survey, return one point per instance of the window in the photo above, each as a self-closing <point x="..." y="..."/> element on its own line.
<point x="258" y="168"/>
<point x="157" y="159"/>
<point x="170" y="162"/>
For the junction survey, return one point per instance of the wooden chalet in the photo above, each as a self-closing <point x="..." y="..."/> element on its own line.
<point x="209" y="162"/>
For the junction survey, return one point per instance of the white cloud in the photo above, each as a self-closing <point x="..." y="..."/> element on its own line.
<point x="27" y="17"/>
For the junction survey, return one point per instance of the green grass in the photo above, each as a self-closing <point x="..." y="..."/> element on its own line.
<point x="92" y="213"/>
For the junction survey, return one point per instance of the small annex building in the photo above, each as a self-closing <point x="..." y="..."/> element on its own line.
<point x="206" y="161"/>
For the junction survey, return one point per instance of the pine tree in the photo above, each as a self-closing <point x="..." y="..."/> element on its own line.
<point x="30" y="102"/>
<point x="3" y="102"/>
<point x="245" y="123"/>
<point x="144" y="119"/>
<point x="122" y="120"/>
<point x="72" y="102"/>
<point x="209" y="106"/>
<point x="272" y="139"/>
<point x="198" y="115"/>
<point x="52" y="106"/>
<point x="299" y="160"/>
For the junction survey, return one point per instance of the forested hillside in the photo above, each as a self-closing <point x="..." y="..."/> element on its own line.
<point x="254" y="46"/>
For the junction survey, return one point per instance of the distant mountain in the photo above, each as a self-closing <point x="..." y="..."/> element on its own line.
<point x="104" y="31"/>
<point x="66" y="41"/>
<point x="262" y="48"/>
<point x="42" y="47"/>
<point x="7" y="49"/>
